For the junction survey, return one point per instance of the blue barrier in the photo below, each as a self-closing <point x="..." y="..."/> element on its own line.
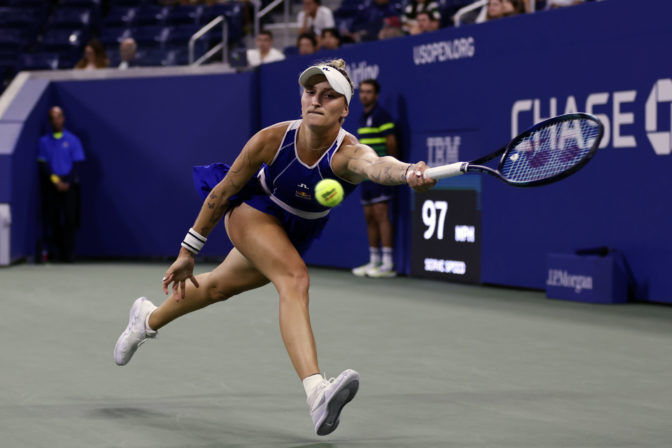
<point x="141" y="137"/>
<point x="456" y="94"/>
<point x="20" y="128"/>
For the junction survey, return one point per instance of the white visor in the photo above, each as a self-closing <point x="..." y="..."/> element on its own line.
<point x="336" y="80"/>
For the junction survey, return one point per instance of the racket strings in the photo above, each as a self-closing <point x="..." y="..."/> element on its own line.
<point x="550" y="150"/>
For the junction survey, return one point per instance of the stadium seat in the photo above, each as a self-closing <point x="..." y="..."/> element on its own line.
<point x="65" y="41"/>
<point x="39" y="61"/>
<point x="71" y="18"/>
<point x="186" y="14"/>
<point x="13" y="39"/>
<point x="234" y="14"/>
<point x="158" y="57"/>
<point x="152" y="36"/>
<point x="238" y="57"/>
<point x="131" y="3"/>
<point x="26" y="3"/>
<point x="112" y="36"/>
<point x="17" y="17"/>
<point x="152" y="15"/>
<point x="120" y="16"/>
<point x="90" y="4"/>
<point x="182" y="33"/>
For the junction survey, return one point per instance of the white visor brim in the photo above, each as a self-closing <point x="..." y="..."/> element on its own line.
<point x="336" y="80"/>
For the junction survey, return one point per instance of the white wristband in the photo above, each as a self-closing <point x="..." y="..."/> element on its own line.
<point x="194" y="241"/>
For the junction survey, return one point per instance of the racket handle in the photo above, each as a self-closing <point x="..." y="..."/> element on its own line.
<point x="452" y="170"/>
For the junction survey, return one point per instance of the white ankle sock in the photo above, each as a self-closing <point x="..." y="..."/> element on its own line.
<point x="147" y="327"/>
<point x="388" y="253"/>
<point x="310" y="383"/>
<point x="374" y="256"/>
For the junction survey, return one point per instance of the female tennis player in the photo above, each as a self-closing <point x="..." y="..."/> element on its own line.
<point x="266" y="200"/>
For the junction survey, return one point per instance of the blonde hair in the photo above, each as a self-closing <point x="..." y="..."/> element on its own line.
<point x="339" y="64"/>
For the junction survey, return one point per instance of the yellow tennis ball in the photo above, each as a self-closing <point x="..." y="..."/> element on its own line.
<point x="329" y="192"/>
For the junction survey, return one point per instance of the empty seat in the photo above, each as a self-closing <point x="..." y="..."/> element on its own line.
<point x="152" y="15"/>
<point x="165" y="57"/>
<point x="112" y="36"/>
<point x="182" y="34"/>
<point x="13" y="39"/>
<point x="71" y="18"/>
<point x="91" y="4"/>
<point x="24" y="3"/>
<point x="131" y="3"/>
<point x="186" y="14"/>
<point x="151" y="35"/>
<point x="39" y="61"/>
<point x="66" y="41"/>
<point x="120" y="16"/>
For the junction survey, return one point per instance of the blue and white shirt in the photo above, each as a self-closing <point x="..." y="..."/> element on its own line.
<point x="290" y="183"/>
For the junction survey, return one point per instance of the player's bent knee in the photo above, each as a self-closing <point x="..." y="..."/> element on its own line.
<point x="294" y="283"/>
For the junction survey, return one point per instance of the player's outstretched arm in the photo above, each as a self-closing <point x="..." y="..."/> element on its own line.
<point x="362" y="162"/>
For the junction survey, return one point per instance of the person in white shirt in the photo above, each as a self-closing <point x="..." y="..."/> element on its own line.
<point x="127" y="49"/>
<point x="315" y="17"/>
<point x="264" y="53"/>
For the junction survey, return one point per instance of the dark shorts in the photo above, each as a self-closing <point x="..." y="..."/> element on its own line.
<point x="373" y="193"/>
<point x="300" y="231"/>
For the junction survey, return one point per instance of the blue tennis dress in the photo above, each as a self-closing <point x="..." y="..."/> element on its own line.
<point x="285" y="188"/>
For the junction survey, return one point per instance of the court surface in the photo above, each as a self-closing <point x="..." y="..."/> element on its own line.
<point x="442" y="365"/>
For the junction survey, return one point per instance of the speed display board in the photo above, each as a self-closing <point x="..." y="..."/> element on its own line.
<point x="446" y="240"/>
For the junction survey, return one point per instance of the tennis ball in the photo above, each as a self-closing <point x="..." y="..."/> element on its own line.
<point x="329" y="192"/>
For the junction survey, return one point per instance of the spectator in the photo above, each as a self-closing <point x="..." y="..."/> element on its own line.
<point x="306" y="43"/>
<point x="503" y="8"/>
<point x="417" y="6"/>
<point x="127" y="49"/>
<point x="314" y="17"/>
<point x="264" y="53"/>
<point x="94" y="56"/>
<point x="391" y="28"/>
<point x="331" y="39"/>
<point x="368" y="21"/>
<point x="376" y="129"/>
<point x="552" y="4"/>
<point x="424" y="23"/>
<point x="59" y="158"/>
<point x="513" y="7"/>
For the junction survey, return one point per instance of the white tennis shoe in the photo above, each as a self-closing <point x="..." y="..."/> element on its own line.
<point x="328" y="400"/>
<point x="136" y="332"/>
<point x="382" y="271"/>
<point x="362" y="270"/>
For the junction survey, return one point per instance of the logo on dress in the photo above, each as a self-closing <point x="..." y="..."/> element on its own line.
<point x="303" y="194"/>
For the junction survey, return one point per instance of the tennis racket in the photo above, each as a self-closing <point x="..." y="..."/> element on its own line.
<point x="547" y="152"/>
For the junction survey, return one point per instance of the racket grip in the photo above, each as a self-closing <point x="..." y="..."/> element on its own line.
<point x="452" y="170"/>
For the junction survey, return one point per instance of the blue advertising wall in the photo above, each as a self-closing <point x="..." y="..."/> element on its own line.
<point x="20" y="128"/>
<point x="142" y="136"/>
<point x="456" y="94"/>
<point x="481" y="85"/>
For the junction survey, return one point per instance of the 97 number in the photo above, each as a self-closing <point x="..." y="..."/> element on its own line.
<point x="430" y="210"/>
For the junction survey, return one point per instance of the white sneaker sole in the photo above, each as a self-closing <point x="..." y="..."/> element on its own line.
<point x="377" y="274"/>
<point x="342" y="395"/>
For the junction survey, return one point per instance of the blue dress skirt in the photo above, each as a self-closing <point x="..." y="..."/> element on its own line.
<point x="301" y="232"/>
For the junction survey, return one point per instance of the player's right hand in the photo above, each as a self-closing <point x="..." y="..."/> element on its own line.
<point x="178" y="273"/>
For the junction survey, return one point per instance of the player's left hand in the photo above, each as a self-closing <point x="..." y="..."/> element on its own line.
<point x="416" y="178"/>
<point x="178" y="274"/>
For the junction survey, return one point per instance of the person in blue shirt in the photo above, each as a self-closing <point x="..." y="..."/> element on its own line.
<point x="59" y="158"/>
<point x="266" y="199"/>
<point x="376" y="129"/>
